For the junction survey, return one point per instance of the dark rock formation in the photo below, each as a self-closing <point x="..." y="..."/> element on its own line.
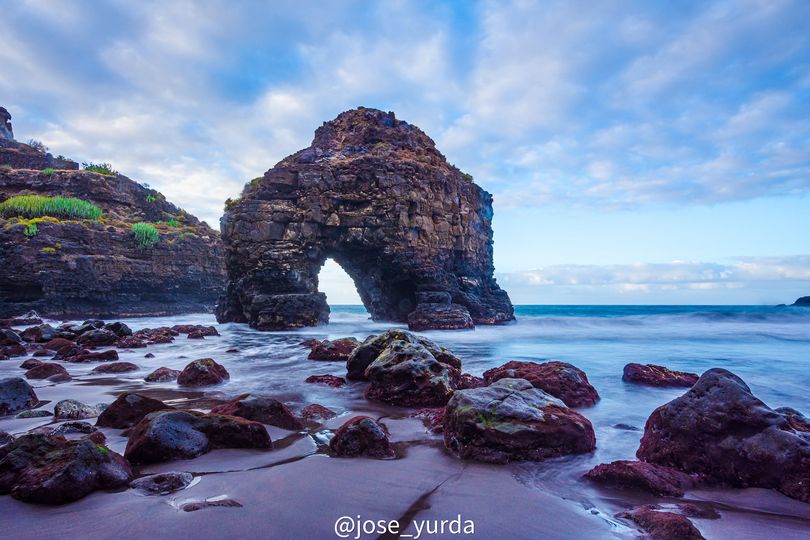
<point x="335" y="350"/>
<point x="720" y="431"/>
<point x="167" y="435"/>
<point x="47" y="469"/>
<point x="129" y="409"/>
<point x="202" y="372"/>
<point x="16" y="395"/>
<point x="373" y="193"/>
<point x="162" y="374"/>
<point x="53" y="372"/>
<point x="362" y="356"/>
<point x="260" y="409"/>
<point x="656" y="479"/>
<point x="74" y="267"/>
<point x="432" y="417"/>
<point x="317" y="412"/>
<point x="803" y="301"/>
<point x="407" y="374"/>
<point x="329" y="380"/>
<point x="70" y="409"/>
<point x="6" y="131"/>
<point x="217" y="503"/>
<point x="362" y="436"/>
<point x="661" y="525"/>
<point x="115" y="367"/>
<point x="559" y="379"/>
<point x="162" y="483"/>
<point x="511" y="420"/>
<point x="653" y="375"/>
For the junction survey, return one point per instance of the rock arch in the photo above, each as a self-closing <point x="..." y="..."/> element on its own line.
<point x="374" y="194"/>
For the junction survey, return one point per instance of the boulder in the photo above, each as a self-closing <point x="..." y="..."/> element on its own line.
<point x="36" y="413"/>
<point x="23" y="320"/>
<point x="198" y="329"/>
<point x="368" y="351"/>
<point x="335" y="350"/>
<point x="653" y="375"/>
<point x="328" y="380"/>
<point x="162" y="483"/>
<point x="162" y="374"/>
<point x="52" y="372"/>
<point x="5" y="438"/>
<point x="70" y="409"/>
<point x="720" y="431"/>
<point x="115" y="367"/>
<point x="130" y="342"/>
<point x="49" y="469"/>
<point x="119" y="329"/>
<point x="16" y="395"/>
<point x="317" y="412"/>
<point x="431" y="316"/>
<point x="661" y="525"/>
<point x="9" y="337"/>
<point x="511" y="420"/>
<point x="202" y="372"/>
<point x="260" y="409"/>
<point x="559" y="379"/>
<point x="97" y="338"/>
<point x="656" y="479"/>
<point x="362" y="436"/>
<point x="31" y="363"/>
<point x="39" y="334"/>
<point x="58" y="343"/>
<point x="128" y="409"/>
<point x="167" y="435"/>
<point x="406" y="374"/>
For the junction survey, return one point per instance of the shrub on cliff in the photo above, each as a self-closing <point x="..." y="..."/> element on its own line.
<point x="100" y="168"/>
<point x="33" y="206"/>
<point x="145" y="235"/>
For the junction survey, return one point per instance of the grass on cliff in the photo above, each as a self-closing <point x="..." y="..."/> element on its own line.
<point x="34" y="206"/>
<point x="100" y="168"/>
<point x="145" y="235"/>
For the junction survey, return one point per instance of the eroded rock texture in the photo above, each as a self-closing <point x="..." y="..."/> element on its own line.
<point x="79" y="268"/>
<point x="374" y="194"/>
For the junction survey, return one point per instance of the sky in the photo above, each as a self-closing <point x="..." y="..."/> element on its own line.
<point x="638" y="152"/>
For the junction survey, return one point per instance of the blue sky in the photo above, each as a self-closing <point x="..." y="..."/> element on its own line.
<point x="638" y="152"/>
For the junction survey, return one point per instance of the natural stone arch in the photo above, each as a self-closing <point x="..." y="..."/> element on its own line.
<point x="374" y="194"/>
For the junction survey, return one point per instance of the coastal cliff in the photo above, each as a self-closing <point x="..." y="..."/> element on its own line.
<point x="96" y="243"/>
<point x="373" y="193"/>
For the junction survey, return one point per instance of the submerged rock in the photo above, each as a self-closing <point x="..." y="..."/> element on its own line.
<point x="162" y="374"/>
<point x="203" y="372"/>
<point x="407" y="374"/>
<point x="335" y="350"/>
<point x="559" y="379"/>
<point x="317" y="412"/>
<point x="70" y="409"/>
<point x="328" y="380"/>
<point x="115" y="367"/>
<point x="653" y="375"/>
<point x="39" y="334"/>
<point x="719" y="430"/>
<point x="15" y="395"/>
<point x="52" y="372"/>
<point x="129" y="409"/>
<point x="167" y="435"/>
<point x="97" y="338"/>
<point x="218" y="503"/>
<point x="374" y="193"/>
<point x="49" y="469"/>
<point x="260" y="409"/>
<point x="162" y="483"/>
<point x="656" y="479"/>
<point x="511" y="420"/>
<point x="368" y="351"/>
<point x="31" y="363"/>
<point x="662" y="525"/>
<point x="36" y="413"/>
<point x="362" y="436"/>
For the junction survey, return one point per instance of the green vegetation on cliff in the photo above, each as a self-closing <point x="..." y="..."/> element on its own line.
<point x="33" y="206"/>
<point x="145" y="234"/>
<point x="100" y="168"/>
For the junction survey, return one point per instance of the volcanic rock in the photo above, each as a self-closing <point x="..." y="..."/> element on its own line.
<point x="31" y="363"/>
<point x="167" y="435"/>
<point x="328" y="380"/>
<point x="368" y="351"/>
<point x="129" y="409"/>
<point x="97" y="338"/>
<point x="70" y="267"/>
<point x="362" y="436"/>
<point x="53" y="372"/>
<point x="803" y="301"/>
<point x="15" y="395"/>
<point x="70" y="409"/>
<point x="511" y="420"/>
<point x="115" y="367"/>
<point x="559" y="379"/>
<point x="653" y="375"/>
<point x="439" y="317"/>
<point x="662" y="525"/>
<point x="656" y="479"/>
<point x="162" y="483"/>
<point x="375" y="194"/>
<point x="337" y="350"/>
<point x="407" y="374"/>
<point x="720" y="431"/>
<point x="162" y="374"/>
<point x="260" y="409"/>
<point x="202" y="372"/>
<point x="317" y="412"/>
<point x="49" y="469"/>
<point x="39" y="334"/>
<point x="216" y="503"/>
<point x="119" y="329"/>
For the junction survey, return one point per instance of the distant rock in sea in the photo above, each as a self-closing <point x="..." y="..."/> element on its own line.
<point x="803" y="301"/>
<point x="93" y="243"/>
<point x="375" y="194"/>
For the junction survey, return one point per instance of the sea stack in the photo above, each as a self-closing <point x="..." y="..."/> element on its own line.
<point x="373" y="193"/>
<point x="93" y="243"/>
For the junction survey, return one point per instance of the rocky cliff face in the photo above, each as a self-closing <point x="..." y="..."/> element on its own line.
<point x="373" y="193"/>
<point x="79" y="267"/>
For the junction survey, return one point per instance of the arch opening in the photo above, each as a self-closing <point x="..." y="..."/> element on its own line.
<point x="339" y="287"/>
